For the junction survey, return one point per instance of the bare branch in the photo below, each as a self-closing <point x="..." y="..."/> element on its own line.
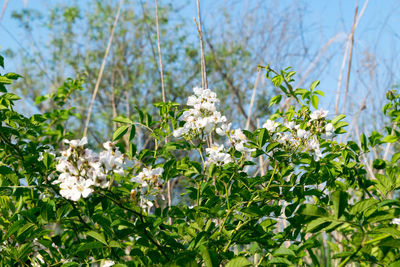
<point x="253" y="96"/>
<point x="160" y="55"/>
<point x="203" y="61"/>
<point x="351" y="37"/>
<point x="103" y="63"/>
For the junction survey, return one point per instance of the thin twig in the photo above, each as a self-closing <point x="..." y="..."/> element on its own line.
<point x="388" y="145"/>
<point x="203" y="61"/>
<point x="253" y="96"/>
<point x="4" y="9"/>
<point x="355" y="24"/>
<point x="169" y="191"/>
<point x="340" y="78"/>
<point x="317" y="59"/>
<point x="160" y="55"/>
<point x="235" y="91"/>
<point x="103" y="63"/>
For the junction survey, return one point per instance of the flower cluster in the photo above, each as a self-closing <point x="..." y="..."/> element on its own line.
<point x="81" y="169"/>
<point x="150" y="183"/>
<point x="203" y="117"/>
<point x="240" y="142"/>
<point x="299" y="136"/>
<point x="217" y="156"/>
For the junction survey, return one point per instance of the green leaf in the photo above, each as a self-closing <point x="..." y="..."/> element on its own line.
<point x="278" y="260"/>
<point x="238" y="262"/>
<point x="364" y="143"/>
<point x="339" y="199"/>
<point x="363" y="205"/>
<point x="312" y="210"/>
<point x="318" y="92"/>
<point x="262" y="137"/>
<point x="14" y="228"/>
<point x="275" y="100"/>
<point x="2" y="62"/>
<point x="13" y="76"/>
<point x="282" y="251"/>
<point x="89" y="246"/>
<point x="271" y="146"/>
<point x="70" y="264"/>
<point x="390" y="139"/>
<point x="132" y="133"/>
<point x="338" y="118"/>
<point x="317" y="225"/>
<point x="300" y="91"/>
<point x="379" y="164"/>
<point x="396" y="157"/>
<point x="314" y="101"/>
<point x="209" y="259"/>
<point x="11" y="96"/>
<point x="121" y="131"/>
<point x="5" y="80"/>
<point x="24" y="228"/>
<point x="314" y="84"/>
<point x="388" y="230"/>
<point x="114" y="244"/>
<point x="97" y="236"/>
<point x="122" y="119"/>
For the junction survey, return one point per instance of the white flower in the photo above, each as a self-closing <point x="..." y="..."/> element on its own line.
<point x="149" y="175"/>
<point x="283" y="137"/>
<point x="242" y="148"/>
<point x="318" y="114"/>
<point x="313" y="145"/>
<point x="223" y="129"/>
<point x="396" y="221"/>
<point x="49" y="151"/>
<point x="76" y="143"/>
<point x="203" y="117"/>
<point x="270" y="126"/>
<point x="217" y="156"/>
<point x="290" y="124"/>
<point x="302" y="133"/>
<point x="107" y="263"/>
<point x="74" y="189"/>
<point x="238" y="136"/>
<point x="109" y="145"/>
<point x="82" y="169"/>
<point x="180" y="131"/>
<point x="329" y="129"/>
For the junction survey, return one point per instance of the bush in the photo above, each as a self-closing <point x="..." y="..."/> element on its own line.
<point x="285" y="194"/>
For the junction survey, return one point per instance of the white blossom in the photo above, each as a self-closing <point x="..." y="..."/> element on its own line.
<point x="318" y="114"/>
<point x="107" y="263"/>
<point x="81" y="169"/>
<point x="270" y="125"/>
<point x="149" y="181"/>
<point x="329" y="129"/>
<point x="240" y="140"/>
<point x="223" y="129"/>
<point x="290" y="124"/>
<point x="76" y="143"/>
<point x="203" y="117"/>
<point x="396" y="221"/>
<point x="217" y="156"/>
<point x="313" y="145"/>
<point x="302" y="133"/>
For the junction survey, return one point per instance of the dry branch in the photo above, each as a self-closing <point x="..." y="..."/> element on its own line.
<point x="103" y="64"/>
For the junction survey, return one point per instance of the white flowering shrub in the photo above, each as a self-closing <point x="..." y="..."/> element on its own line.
<point x="285" y="194"/>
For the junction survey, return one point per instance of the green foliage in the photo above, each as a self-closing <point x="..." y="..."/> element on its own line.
<point x="236" y="214"/>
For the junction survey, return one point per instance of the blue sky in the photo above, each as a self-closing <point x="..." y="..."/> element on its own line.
<point x="378" y="33"/>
